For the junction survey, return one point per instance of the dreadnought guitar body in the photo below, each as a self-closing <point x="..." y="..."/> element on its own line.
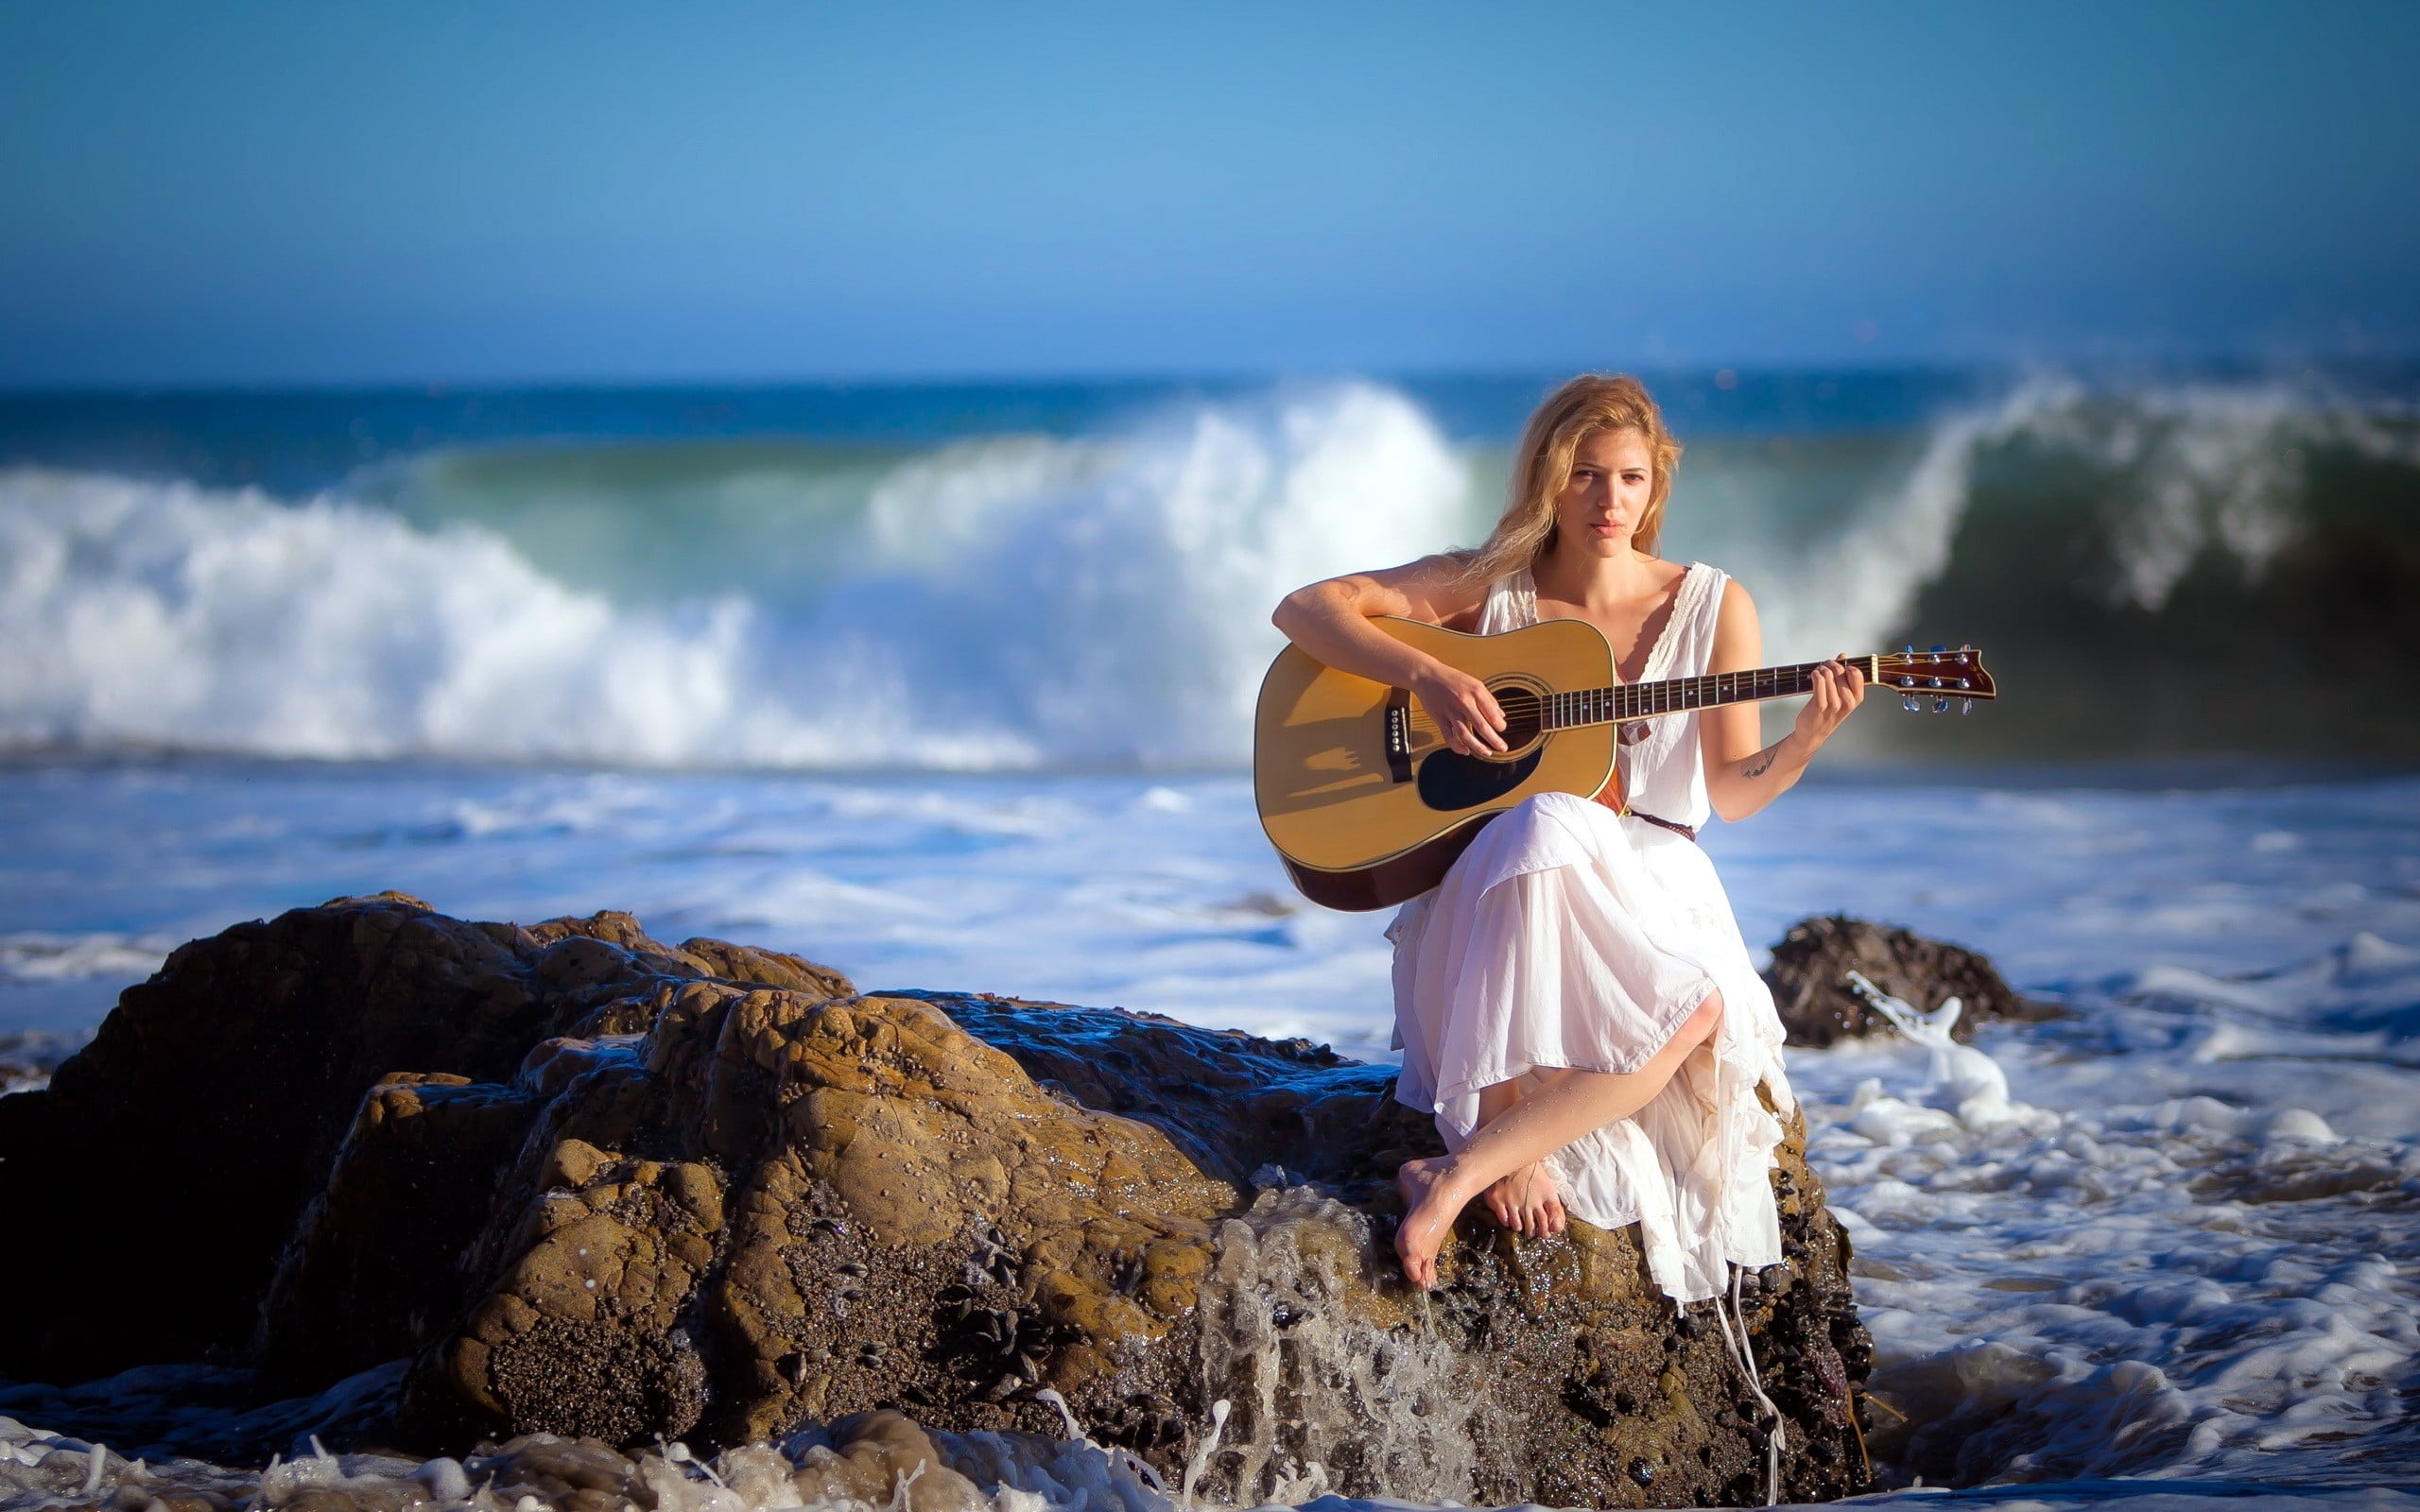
<point x="1367" y="805"/>
<point x="1359" y="792"/>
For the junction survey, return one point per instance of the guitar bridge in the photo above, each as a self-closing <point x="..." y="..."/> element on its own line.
<point x="1399" y="736"/>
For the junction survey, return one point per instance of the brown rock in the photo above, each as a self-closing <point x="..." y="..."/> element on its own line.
<point x="371" y="1265"/>
<point x="882" y="1459"/>
<point x="215" y="1097"/>
<point x="1809" y="979"/>
<point x="694" y="1201"/>
<point x="915" y="1222"/>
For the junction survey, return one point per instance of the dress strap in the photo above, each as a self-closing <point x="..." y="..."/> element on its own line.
<point x="1687" y="636"/>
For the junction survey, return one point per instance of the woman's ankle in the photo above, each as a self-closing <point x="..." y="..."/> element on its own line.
<point x="1456" y="1182"/>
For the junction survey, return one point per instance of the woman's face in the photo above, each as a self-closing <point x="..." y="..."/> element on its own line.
<point x="1612" y="476"/>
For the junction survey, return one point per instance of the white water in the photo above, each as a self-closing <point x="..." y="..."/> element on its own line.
<point x="2183" y="1248"/>
<point x="1006" y="603"/>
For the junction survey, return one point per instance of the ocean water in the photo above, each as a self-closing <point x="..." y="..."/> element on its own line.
<point x="999" y="580"/>
<point x="948" y="688"/>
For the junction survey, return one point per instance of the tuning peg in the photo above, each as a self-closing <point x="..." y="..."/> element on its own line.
<point x="1912" y="704"/>
<point x="1966" y="706"/>
<point x="1941" y="706"/>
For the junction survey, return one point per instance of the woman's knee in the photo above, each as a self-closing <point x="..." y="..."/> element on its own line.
<point x="1702" y="1024"/>
<point x="1555" y="812"/>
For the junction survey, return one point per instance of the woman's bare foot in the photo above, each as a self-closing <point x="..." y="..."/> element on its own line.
<point x="1430" y="1205"/>
<point x="1527" y="1202"/>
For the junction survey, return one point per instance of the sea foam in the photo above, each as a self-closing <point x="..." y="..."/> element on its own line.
<point x="1011" y="603"/>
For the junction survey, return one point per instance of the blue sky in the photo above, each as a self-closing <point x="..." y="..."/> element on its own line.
<point x="263" y="193"/>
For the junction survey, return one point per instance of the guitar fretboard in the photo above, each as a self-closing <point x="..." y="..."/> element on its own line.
<point x="1641" y="700"/>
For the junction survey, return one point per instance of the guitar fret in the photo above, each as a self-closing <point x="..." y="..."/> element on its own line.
<point x="1644" y="700"/>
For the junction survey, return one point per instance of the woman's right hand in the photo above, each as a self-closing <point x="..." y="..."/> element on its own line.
<point x="1463" y="710"/>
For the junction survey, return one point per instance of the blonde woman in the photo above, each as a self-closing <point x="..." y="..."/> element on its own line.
<point x="1574" y="1002"/>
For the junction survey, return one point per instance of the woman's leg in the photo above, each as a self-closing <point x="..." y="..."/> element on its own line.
<point x="1568" y="1106"/>
<point x="1525" y="1201"/>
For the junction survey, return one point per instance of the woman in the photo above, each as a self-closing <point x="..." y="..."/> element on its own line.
<point x="1574" y="1002"/>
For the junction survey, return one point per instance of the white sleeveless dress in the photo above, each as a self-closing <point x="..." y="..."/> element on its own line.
<point x="1570" y="935"/>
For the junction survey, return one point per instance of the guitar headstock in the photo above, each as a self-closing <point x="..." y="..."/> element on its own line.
<point x="1940" y="674"/>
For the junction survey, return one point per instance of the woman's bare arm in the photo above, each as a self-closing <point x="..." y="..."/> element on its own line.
<point x="1742" y="775"/>
<point x="1330" y="621"/>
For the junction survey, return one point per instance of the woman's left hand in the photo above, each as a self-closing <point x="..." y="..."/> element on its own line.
<point x="1839" y="689"/>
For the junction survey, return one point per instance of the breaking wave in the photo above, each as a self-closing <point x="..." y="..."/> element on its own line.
<point x="1024" y="601"/>
<point x="1005" y="603"/>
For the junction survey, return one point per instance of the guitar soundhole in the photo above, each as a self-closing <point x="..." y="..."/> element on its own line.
<point x="1450" y="781"/>
<point x="1524" y="716"/>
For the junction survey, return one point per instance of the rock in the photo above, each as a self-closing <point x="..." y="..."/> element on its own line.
<point x="171" y="1158"/>
<point x="699" y="1193"/>
<point x="881" y="1459"/>
<point x="372" y="1255"/>
<point x="1809" y="979"/>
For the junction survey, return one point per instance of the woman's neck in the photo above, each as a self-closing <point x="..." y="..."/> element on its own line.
<point x="1595" y="582"/>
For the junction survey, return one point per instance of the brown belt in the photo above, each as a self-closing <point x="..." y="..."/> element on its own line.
<point x="1612" y="798"/>
<point x="1685" y="832"/>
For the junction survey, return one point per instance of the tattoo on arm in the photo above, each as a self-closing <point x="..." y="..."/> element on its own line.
<point x="1759" y="764"/>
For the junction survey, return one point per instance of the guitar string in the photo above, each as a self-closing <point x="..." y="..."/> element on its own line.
<point x="1578" y="707"/>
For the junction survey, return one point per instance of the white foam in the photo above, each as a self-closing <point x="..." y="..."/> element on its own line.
<point x="165" y="615"/>
<point x="2201" y="469"/>
<point x="44" y="955"/>
<point x="1011" y="603"/>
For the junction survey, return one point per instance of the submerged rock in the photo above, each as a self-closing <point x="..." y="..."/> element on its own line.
<point x="1809" y="979"/>
<point x="595" y="1188"/>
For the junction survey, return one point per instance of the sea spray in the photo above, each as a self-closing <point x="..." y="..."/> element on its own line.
<point x="1322" y="1398"/>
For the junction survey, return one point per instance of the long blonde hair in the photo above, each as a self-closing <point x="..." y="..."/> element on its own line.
<point x="1580" y="408"/>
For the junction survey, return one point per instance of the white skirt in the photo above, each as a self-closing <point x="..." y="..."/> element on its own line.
<point x="1567" y="936"/>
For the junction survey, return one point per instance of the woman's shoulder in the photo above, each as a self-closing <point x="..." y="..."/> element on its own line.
<point x="1708" y="592"/>
<point x="1696" y="576"/>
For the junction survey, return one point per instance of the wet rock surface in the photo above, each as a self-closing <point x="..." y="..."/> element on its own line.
<point x="1809" y="979"/>
<point x="566" y="1182"/>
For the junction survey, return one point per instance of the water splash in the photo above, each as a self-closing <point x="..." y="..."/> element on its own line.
<point x="1323" y="1397"/>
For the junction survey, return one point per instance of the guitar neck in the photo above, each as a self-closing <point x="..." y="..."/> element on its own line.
<point x="1645" y="700"/>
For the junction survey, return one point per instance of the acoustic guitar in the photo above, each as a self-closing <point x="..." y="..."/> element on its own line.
<point x="1369" y="806"/>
